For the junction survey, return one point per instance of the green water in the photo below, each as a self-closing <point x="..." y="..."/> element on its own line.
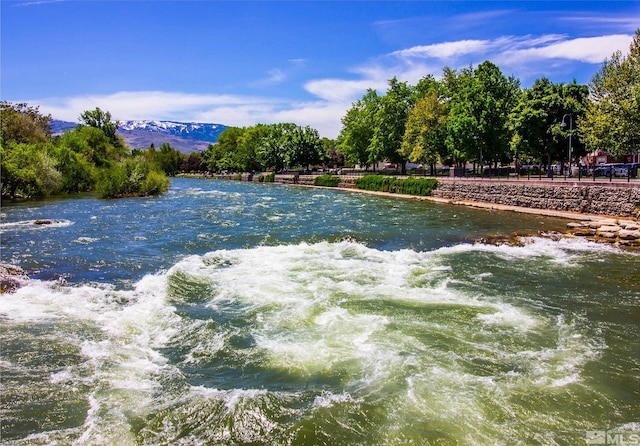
<point x="234" y="313"/>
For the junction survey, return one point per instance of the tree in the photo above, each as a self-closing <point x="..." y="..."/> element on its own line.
<point x="28" y="170"/>
<point x="78" y="174"/>
<point x="612" y="120"/>
<point x="167" y="159"/>
<point x="92" y="143"/>
<point x="21" y="123"/>
<point x="102" y="120"/>
<point x="191" y="162"/>
<point x="249" y="147"/>
<point x="480" y="102"/>
<point x="537" y="120"/>
<point x="276" y="149"/>
<point x="332" y="156"/>
<point x="390" y="120"/>
<point x="357" y="129"/>
<point x="424" y="138"/>
<point x="306" y="147"/>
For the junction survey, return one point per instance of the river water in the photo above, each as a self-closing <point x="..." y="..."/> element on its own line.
<point x="238" y="313"/>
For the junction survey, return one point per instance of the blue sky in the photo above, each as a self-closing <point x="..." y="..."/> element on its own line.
<point x="244" y="62"/>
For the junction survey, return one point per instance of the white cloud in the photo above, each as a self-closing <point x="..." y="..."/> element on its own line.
<point x="445" y="50"/>
<point x="589" y="49"/>
<point x="224" y="109"/>
<point x="521" y="49"/>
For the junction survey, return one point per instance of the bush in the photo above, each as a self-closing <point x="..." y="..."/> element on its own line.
<point x="112" y="182"/>
<point x="237" y="177"/>
<point x="374" y="182"/>
<point x="132" y="177"/>
<point x="417" y="186"/>
<point x="326" y="181"/>
<point x="410" y="186"/>
<point x="268" y="178"/>
<point x="155" y="183"/>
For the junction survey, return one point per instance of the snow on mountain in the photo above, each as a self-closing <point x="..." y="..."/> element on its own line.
<point x="184" y="136"/>
<point x="187" y="130"/>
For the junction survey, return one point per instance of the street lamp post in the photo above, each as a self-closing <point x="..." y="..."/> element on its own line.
<point x="475" y="138"/>
<point x="563" y="125"/>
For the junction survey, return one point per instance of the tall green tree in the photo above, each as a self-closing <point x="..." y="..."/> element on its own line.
<point x="480" y="102"/>
<point x="276" y="148"/>
<point x="249" y="147"/>
<point x="424" y="137"/>
<point x="21" y="123"/>
<point x="306" y="147"/>
<point x="29" y="171"/>
<point x="357" y="131"/>
<point x="612" y="121"/>
<point x="102" y="120"/>
<point x="538" y="116"/>
<point x="390" y="120"/>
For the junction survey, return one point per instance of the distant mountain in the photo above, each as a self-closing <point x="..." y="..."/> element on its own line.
<point x="186" y="137"/>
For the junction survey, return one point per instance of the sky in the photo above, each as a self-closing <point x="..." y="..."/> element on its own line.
<point x="241" y="63"/>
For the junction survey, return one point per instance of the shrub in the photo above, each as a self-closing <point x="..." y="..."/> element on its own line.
<point x="112" y="182"/>
<point x="132" y="177"/>
<point x="410" y="186"/>
<point x="268" y="178"/>
<point x="417" y="186"/>
<point x="155" y="183"/>
<point x="374" y="182"/>
<point x="237" y="177"/>
<point x="326" y="180"/>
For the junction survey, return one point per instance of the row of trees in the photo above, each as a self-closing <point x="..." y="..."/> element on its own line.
<point x="471" y="115"/>
<point x="263" y="147"/>
<point x="90" y="157"/>
<point x="478" y="115"/>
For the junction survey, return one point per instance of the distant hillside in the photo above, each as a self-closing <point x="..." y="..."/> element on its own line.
<point x="186" y="137"/>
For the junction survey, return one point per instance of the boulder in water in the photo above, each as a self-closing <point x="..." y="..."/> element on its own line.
<point x="11" y="278"/>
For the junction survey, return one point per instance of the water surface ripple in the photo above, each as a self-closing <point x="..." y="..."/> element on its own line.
<point x="235" y="313"/>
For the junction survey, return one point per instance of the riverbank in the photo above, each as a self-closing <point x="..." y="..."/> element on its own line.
<point x="566" y="199"/>
<point x="589" y="206"/>
<point x="598" y="228"/>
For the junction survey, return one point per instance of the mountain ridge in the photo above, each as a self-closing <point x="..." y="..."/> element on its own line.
<point x="186" y="137"/>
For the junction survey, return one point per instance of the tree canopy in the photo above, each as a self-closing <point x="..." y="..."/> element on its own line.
<point x="612" y="118"/>
<point x="34" y="164"/>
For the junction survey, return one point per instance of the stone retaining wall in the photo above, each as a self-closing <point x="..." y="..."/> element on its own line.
<point x="586" y="199"/>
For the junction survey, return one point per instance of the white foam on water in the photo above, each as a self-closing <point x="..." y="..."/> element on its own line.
<point x="86" y="240"/>
<point x="30" y="225"/>
<point x="385" y="325"/>
<point x="328" y="399"/>
<point x="122" y="360"/>
<point x="509" y="316"/>
<point x="564" y="251"/>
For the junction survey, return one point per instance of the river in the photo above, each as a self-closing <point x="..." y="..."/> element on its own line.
<point x="237" y="313"/>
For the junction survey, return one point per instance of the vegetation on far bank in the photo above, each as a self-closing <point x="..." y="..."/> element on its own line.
<point x="91" y="157"/>
<point x="422" y="187"/>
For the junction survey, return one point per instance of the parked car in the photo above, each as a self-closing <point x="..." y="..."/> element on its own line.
<point x="621" y="171"/>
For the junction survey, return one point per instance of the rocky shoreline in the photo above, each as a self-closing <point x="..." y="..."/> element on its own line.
<point x="607" y="230"/>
